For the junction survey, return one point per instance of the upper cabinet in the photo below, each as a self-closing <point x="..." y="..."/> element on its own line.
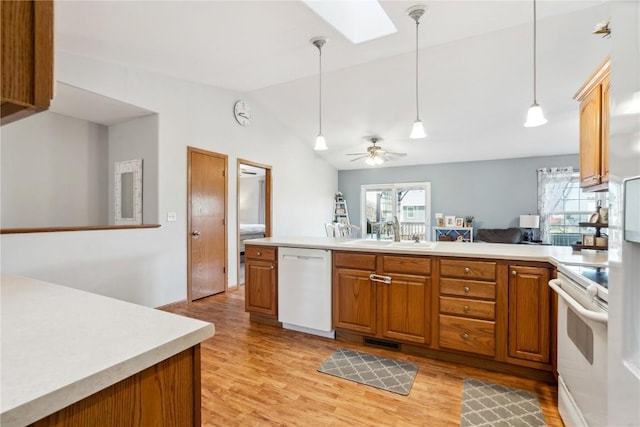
<point x="27" y="58"/>
<point x="594" y="130"/>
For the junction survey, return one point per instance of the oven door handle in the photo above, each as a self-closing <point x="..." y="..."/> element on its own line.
<point x="556" y="285"/>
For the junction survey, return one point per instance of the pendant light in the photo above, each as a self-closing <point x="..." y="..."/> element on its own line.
<point x="417" y="131"/>
<point x="535" y="116"/>
<point x="321" y="143"/>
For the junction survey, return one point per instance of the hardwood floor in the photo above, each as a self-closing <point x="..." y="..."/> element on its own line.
<point x="259" y="375"/>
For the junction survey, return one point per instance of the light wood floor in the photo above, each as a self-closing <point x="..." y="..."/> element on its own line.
<point x="259" y="375"/>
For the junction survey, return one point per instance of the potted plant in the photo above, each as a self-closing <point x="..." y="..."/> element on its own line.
<point x="468" y="221"/>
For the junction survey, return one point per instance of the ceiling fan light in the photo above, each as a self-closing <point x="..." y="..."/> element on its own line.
<point x="321" y="143"/>
<point x="417" y="131"/>
<point x="374" y="160"/>
<point x="535" y="116"/>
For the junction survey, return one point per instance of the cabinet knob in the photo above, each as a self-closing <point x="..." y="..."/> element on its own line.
<point x="195" y="233"/>
<point x="465" y="336"/>
<point x="465" y="308"/>
<point x="466" y="289"/>
<point x="271" y="267"/>
<point x="258" y="253"/>
<point x="466" y="269"/>
<point x="514" y="273"/>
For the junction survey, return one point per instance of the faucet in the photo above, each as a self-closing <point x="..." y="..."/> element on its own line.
<point x="396" y="228"/>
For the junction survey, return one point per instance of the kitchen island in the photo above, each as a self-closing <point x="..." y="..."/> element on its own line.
<point x="481" y="304"/>
<point x="73" y="357"/>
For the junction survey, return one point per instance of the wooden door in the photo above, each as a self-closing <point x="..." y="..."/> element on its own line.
<point x="261" y="290"/>
<point x="529" y="313"/>
<point x="604" y="147"/>
<point x="406" y="308"/>
<point x="354" y="301"/>
<point x="206" y="223"/>
<point x="590" y="131"/>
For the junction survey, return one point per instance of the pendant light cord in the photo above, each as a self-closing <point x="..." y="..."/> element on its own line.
<point x="320" y="90"/>
<point x="417" y="108"/>
<point x="535" y="101"/>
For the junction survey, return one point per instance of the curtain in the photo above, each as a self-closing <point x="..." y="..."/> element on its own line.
<point x="552" y="185"/>
<point x="261" y="202"/>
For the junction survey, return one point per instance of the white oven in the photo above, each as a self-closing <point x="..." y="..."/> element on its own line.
<point x="582" y="346"/>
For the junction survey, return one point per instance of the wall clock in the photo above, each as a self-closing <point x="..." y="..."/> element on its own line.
<point x="242" y="111"/>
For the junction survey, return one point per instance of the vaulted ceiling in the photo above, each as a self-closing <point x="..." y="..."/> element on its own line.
<point x="475" y="82"/>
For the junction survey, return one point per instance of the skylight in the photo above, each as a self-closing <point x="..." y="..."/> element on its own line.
<point x="359" y="21"/>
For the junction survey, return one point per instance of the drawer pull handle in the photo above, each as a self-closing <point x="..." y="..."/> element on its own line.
<point x="466" y="289"/>
<point x="258" y="253"/>
<point x="466" y="269"/>
<point x="465" y="336"/>
<point x="379" y="278"/>
<point x="465" y="308"/>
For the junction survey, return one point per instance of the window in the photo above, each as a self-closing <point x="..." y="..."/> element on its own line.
<point x="410" y="203"/>
<point x="573" y="207"/>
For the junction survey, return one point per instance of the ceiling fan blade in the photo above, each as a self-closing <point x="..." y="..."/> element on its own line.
<point x="358" y="154"/>
<point x="396" y="154"/>
<point x="358" y="158"/>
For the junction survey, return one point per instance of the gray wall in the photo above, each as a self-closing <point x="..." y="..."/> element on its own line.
<point x="53" y="172"/>
<point x="495" y="192"/>
<point x="137" y="139"/>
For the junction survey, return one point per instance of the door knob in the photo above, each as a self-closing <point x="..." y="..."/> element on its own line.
<point x="195" y="233"/>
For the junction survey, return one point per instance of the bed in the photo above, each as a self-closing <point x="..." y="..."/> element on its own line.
<point x="250" y="231"/>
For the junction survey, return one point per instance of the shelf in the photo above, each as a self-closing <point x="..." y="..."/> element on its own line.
<point x="593" y="224"/>
<point x="578" y="247"/>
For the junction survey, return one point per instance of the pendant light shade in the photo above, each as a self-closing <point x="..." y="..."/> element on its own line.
<point x="535" y="116"/>
<point x="417" y="131"/>
<point x="321" y="143"/>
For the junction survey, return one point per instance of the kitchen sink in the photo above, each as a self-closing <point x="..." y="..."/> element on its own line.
<point x="409" y="244"/>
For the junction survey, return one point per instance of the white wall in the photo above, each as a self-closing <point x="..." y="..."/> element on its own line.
<point x="53" y="172"/>
<point x="149" y="266"/>
<point x="137" y="139"/>
<point x="249" y="199"/>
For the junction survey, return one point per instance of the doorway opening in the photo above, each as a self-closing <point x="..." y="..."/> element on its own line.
<point x="253" y="206"/>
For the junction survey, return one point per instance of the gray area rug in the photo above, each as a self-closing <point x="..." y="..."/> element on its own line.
<point x="363" y="368"/>
<point x="488" y="404"/>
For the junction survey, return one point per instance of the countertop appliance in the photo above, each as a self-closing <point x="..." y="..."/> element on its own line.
<point x="304" y="290"/>
<point x="582" y="344"/>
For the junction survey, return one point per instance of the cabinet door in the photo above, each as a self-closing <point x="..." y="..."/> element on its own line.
<point x="261" y="287"/>
<point x="604" y="147"/>
<point x="529" y="313"/>
<point x="406" y="308"/>
<point x="354" y="301"/>
<point x="590" y="131"/>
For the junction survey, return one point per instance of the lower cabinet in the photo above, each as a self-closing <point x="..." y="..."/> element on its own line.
<point x="261" y="280"/>
<point x="529" y="314"/>
<point x="383" y="296"/>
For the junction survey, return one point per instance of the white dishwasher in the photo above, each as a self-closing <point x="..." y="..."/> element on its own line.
<point x="304" y="290"/>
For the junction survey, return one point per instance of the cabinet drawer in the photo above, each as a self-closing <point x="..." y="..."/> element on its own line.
<point x="468" y="308"/>
<point x="405" y="264"/>
<point x="260" y="252"/>
<point x="472" y="336"/>
<point x="468" y="288"/>
<point x="354" y="260"/>
<point x="482" y="270"/>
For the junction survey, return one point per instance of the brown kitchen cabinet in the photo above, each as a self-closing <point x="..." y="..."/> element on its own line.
<point x="383" y="296"/>
<point x="467" y="316"/>
<point x="529" y="333"/>
<point x="594" y="129"/>
<point x="26" y="58"/>
<point x="261" y="280"/>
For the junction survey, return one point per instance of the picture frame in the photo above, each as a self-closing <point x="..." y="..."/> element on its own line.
<point x="440" y="221"/>
<point x="588" y="240"/>
<point x="459" y="222"/>
<point x="127" y="192"/>
<point x="594" y="218"/>
<point x="449" y="221"/>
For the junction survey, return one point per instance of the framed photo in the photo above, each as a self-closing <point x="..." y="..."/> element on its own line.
<point x="459" y="222"/>
<point x="594" y="218"/>
<point x="440" y="221"/>
<point x="449" y="221"/>
<point x="588" y="240"/>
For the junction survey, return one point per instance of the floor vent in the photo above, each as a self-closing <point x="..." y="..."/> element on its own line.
<point x="382" y="344"/>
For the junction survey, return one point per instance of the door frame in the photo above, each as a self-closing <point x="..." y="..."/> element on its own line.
<point x="226" y="214"/>
<point x="267" y="205"/>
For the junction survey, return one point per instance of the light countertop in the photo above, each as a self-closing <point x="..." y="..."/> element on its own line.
<point x="60" y="345"/>
<point x="555" y="255"/>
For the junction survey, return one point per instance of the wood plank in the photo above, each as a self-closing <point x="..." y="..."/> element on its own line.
<point x="255" y="374"/>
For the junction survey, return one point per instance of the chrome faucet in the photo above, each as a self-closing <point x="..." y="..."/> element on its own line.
<point x="396" y="228"/>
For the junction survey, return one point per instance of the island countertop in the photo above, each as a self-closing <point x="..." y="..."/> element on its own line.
<point x="555" y="255"/>
<point x="60" y="345"/>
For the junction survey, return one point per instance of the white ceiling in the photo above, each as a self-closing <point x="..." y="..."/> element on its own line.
<point x="475" y="68"/>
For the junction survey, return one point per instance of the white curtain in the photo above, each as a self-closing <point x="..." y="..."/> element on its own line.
<point x="552" y="185"/>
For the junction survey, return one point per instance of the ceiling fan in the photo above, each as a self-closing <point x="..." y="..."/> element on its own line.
<point x="244" y="171"/>
<point x="375" y="155"/>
